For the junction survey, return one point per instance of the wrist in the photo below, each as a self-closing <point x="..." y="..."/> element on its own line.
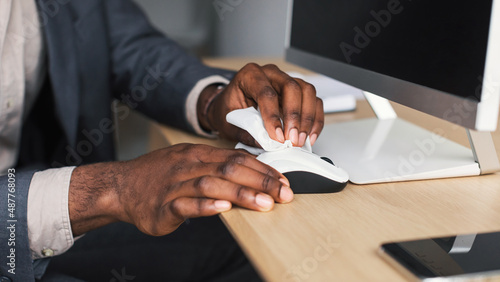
<point x="93" y="201"/>
<point x="205" y="102"/>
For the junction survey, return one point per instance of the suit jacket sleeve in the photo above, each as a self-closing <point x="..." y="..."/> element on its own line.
<point x="15" y="256"/>
<point x="150" y="72"/>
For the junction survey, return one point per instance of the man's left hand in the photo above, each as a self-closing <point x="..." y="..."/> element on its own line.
<point x="278" y="97"/>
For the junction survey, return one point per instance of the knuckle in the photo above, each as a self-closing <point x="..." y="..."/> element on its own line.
<point x="268" y="93"/>
<point x="226" y="168"/>
<point x="319" y="102"/>
<point x="267" y="184"/>
<point x="175" y="210"/>
<point x="293" y="115"/>
<point x="251" y="67"/>
<point x="291" y="85"/>
<point x="299" y="80"/>
<point x="309" y="88"/>
<point x="183" y="150"/>
<point x="199" y="148"/>
<point x="200" y="207"/>
<point x="185" y="147"/>
<point x="308" y="120"/>
<point x="202" y="184"/>
<point x="272" y="67"/>
<point x="237" y="158"/>
<point x="241" y="193"/>
<point x="320" y="123"/>
<point x="275" y="117"/>
<point x="271" y="172"/>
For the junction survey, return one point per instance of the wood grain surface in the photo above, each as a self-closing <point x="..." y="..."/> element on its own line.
<point x="335" y="237"/>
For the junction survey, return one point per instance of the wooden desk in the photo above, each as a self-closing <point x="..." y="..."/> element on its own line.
<point x="335" y="237"/>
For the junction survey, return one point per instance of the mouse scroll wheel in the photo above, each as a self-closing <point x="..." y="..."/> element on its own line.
<point x="327" y="160"/>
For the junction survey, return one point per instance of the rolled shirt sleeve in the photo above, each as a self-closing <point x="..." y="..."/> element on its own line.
<point x="192" y="100"/>
<point x="49" y="226"/>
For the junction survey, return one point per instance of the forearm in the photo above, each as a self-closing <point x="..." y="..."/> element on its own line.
<point x="93" y="201"/>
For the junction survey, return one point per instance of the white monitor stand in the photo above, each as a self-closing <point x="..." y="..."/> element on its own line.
<point x="388" y="149"/>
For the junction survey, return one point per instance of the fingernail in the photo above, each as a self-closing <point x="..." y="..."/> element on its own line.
<point x="285" y="182"/>
<point x="279" y="134"/>
<point x="264" y="201"/>
<point x="294" y="136"/>
<point x="286" y="194"/>
<point x="313" y="138"/>
<point x="221" y="206"/>
<point x="302" y="138"/>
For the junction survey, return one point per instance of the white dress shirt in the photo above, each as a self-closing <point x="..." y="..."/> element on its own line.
<point x="22" y="71"/>
<point x="21" y="62"/>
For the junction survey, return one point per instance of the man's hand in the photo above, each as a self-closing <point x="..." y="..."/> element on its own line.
<point x="278" y="97"/>
<point x="158" y="191"/>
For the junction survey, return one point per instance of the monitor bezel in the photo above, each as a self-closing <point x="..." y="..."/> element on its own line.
<point x="470" y="113"/>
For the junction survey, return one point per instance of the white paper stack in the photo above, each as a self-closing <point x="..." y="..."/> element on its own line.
<point x="336" y="96"/>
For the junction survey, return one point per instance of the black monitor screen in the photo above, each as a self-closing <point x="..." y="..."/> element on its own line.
<point x="437" y="44"/>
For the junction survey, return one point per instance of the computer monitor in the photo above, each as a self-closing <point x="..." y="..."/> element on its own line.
<point x="438" y="57"/>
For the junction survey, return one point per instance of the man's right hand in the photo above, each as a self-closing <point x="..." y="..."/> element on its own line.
<point x="158" y="191"/>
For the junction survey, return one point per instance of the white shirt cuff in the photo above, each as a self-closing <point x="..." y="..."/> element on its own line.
<point x="49" y="226"/>
<point x="192" y="100"/>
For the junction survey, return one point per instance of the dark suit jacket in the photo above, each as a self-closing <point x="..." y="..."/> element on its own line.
<point x="97" y="50"/>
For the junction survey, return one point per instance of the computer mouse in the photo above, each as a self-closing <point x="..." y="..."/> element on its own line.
<point x="307" y="172"/>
